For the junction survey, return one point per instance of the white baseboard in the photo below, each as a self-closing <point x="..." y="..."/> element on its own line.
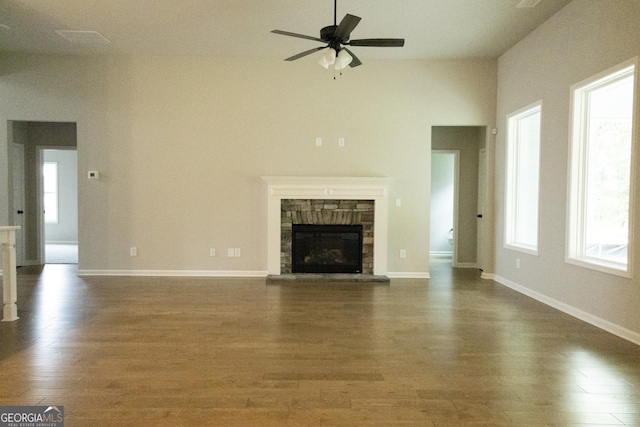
<point x="61" y="242"/>
<point x="407" y="275"/>
<point x="209" y="273"/>
<point x="596" y="321"/>
<point x="488" y="276"/>
<point x="173" y="273"/>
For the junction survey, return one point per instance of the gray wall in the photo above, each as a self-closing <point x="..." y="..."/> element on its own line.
<point x="181" y="144"/>
<point x="583" y="39"/>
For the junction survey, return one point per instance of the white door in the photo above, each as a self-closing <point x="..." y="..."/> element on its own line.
<point x="480" y="245"/>
<point x="18" y="199"/>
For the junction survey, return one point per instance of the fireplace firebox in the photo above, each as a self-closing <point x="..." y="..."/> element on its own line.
<point x="326" y="248"/>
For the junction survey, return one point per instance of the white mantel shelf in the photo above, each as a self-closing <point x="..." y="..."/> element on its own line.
<point x="342" y="188"/>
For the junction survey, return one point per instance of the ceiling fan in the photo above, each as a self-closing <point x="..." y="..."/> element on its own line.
<point x="335" y="37"/>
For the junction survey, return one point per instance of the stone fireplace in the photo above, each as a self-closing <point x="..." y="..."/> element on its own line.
<point x="321" y="213"/>
<point x="334" y="200"/>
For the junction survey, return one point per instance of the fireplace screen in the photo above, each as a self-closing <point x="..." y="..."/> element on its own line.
<point x="327" y="249"/>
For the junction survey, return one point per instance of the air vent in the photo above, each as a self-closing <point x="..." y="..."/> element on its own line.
<point x="84" y="37"/>
<point x="528" y="3"/>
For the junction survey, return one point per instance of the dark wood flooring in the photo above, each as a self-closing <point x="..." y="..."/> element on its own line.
<point x="454" y="350"/>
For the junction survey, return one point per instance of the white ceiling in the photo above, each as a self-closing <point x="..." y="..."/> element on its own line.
<point x="431" y="28"/>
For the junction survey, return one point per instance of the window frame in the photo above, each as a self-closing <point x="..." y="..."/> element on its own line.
<point x="511" y="176"/>
<point x="575" y="253"/>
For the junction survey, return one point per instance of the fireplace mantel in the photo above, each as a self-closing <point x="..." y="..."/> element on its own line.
<point x="338" y="188"/>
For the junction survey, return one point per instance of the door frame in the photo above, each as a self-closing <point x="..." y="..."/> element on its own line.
<point x="15" y="218"/>
<point x="456" y="196"/>
<point x="482" y="190"/>
<point x="42" y="259"/>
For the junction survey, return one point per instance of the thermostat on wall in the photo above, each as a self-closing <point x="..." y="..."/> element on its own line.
<point x="93" y="175"/>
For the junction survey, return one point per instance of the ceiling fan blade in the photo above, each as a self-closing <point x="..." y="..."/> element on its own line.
<point x="377" y="42"/>
<point x="305" y="53"/>
<point x="300" y="36"/>
<point x="355" y="61"/>
<point x="348" y="23"/>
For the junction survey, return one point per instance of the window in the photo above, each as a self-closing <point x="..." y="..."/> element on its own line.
<point x="600" y="185"/>
<point x="50" y="185"/>
<point x="522" y="181"/>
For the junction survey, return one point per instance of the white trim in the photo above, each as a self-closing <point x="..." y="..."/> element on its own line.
<point x="173" y="273"/>
<point x="408" y="275"/>
<point x="512" y="170"/>
<point x="345" y="188"/>
<point x="576" y="173"/>
<point x="603" y="324"/>
<point x="488" y="276"/>
<point x="60" y="242"/>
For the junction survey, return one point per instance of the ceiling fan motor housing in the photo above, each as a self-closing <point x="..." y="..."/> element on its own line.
<point x="327" y="33"/>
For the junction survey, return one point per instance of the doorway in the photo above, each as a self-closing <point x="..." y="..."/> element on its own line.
<point x="26" y="142"/>
<point x="444" y="203"/>
<point x="59" y="201"/>
<point x="469" y="141"/>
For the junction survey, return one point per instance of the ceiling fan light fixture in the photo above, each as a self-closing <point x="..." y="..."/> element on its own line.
<point x="343" y="59"/>
<point x="335" y="36"/>
<point x="328" y="58"/>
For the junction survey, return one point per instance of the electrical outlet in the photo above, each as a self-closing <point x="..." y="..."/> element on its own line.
<point x="133" y="251"/>
<point x="340" y="142"/>
<point x="231" y="252"/>
<point x="403" y="253"/>
<point x="318" y="142"/>
<point x="398" y="202"/>
<point x="517" y="262"/>
<point x="212" y="252"/>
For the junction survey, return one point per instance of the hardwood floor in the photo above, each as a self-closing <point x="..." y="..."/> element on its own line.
<point x="451" y="351"/>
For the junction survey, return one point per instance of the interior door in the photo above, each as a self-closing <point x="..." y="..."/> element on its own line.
<point x="480" y="243"/>
<point x="17" y="195"/>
